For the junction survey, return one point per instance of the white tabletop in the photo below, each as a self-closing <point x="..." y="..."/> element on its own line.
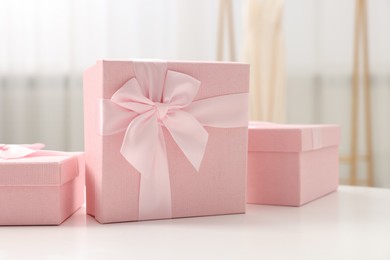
<point x="353" y="223"/>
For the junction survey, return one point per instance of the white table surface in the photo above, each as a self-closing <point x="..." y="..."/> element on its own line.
<point x="353" y="223"/>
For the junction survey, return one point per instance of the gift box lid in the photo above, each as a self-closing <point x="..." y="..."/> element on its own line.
<point x="271" y="137"/>
<point x="40" y="170"/>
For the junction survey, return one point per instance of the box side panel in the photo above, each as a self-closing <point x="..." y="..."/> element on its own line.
<point x="319" y="173"/>
<point x="69" y="169"/>
<point x="120" y="181"/>
<point x="273" y="178"/>
<point x="219" y="187"/>
<point x="92" y="83"/>
<point x="72" y="196"/>
<point x="39" y="173"/>
<point x="34" y="205"/>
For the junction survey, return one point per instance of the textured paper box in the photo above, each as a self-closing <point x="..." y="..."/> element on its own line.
<point x="291" y="164"/>
<point x="42" y="190"/>
<point x="113" y="185"/>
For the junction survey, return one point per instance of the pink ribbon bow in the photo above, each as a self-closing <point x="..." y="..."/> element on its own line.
<point x="13" y="151"/>
<point x="16" y="151"/>
<point x="158" y="98"/>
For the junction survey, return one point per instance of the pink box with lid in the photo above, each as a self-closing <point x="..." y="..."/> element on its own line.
<point x="41" y="190"/>
<point x="291" y="164"/>
<point x="165" y="139"/>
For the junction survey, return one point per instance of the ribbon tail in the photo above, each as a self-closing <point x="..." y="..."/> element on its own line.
<point x="155" y="200"/>
<point x="189" y="135"/>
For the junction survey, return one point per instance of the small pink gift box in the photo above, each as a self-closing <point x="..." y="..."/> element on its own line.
<point x="40" y="187"/>
<point x="291" y="164"/>
<point x="165" y="139"/>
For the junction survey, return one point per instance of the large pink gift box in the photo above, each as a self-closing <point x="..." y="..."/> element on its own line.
<point x="291" y="164"/>
<point x="41" y="188"/>
<point x="165" y="139"/>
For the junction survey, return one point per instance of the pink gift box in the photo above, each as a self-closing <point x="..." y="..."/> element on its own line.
<point x="41" y="190"/>
<point x="291" y="164"/>
<point x="190" y="180"/>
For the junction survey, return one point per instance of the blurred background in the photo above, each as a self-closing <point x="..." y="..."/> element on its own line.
<point x="302" y="55"/>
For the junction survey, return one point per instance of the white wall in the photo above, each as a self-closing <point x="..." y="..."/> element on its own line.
<point x="45" y="45"/>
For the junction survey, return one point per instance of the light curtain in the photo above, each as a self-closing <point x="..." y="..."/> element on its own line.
<point x="264" y="50"/>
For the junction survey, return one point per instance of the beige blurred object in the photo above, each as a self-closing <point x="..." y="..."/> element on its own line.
<point x="360" y="59"/>
<point x="226" y="16"/>
<point x="264" y="50"/>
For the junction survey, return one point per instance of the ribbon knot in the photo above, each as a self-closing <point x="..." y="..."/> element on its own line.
<point x="162" y="110"/>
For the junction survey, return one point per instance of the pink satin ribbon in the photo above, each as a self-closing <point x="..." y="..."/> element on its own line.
<point x="157" y="98"/>
<point x="16" y="151"/>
